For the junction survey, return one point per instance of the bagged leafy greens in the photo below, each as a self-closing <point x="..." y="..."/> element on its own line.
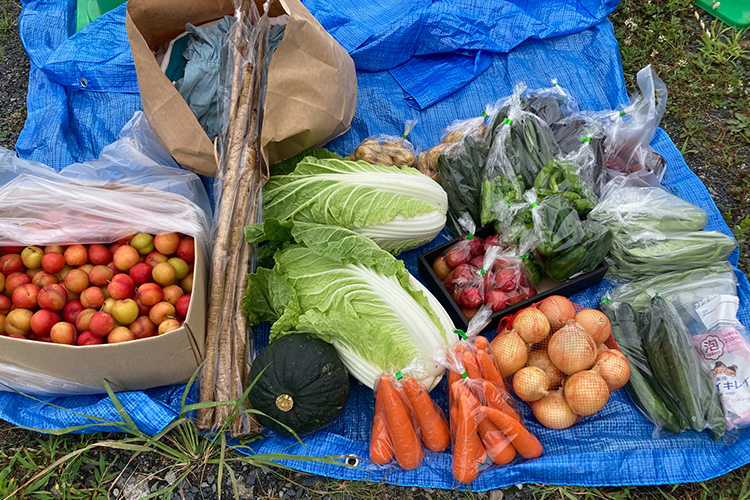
<point x="461" y="169"/>
<point x="339" y="286"/>
<point x="399" y="208"/>
<point x="551" y="104"/>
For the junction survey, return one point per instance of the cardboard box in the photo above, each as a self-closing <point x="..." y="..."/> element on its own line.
<point x="166" y="359"/>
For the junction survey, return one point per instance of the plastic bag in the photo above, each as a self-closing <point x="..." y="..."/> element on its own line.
<point x="561" y="359"/>
<point x="521" y="143"/>
<point x="461" y="166"/>
<point x="571" y="176"/>
<point x="551" y="104"/>
<point x="405" y="420"/>
<point x="486" y="423"/>
<point x="653" y="252"/>
<point x="387" y="150"/>
<point x="82" y="204"/>
<point x="631" y="209"/>
<point x="676" y="365"/>
<point x="706" y="300"/>
<point x="627" y="139"/>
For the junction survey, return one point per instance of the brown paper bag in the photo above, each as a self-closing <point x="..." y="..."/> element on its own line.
<point x="312" y="85"/>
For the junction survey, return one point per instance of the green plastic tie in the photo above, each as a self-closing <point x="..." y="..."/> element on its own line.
<point x="484" y="114"/>
<point x="482" y="272"/>
<point x="508" y="204"/>
<point x="533" y="204"/>
<point x="525" y="256"/>
<point x="399" y="375"/>
<point x="470" y="236"/>
<point x="460" y="333"/>
<point x="554" y="83"/>
<point x="403" y="136"/>
<point x="656" y="294"/>
<point x="623" y="113"/>
<point x="464" y="375"/>
<point x="586" y="139"/>
<point x="605" y="300"/>
<point x="507" y="121"/>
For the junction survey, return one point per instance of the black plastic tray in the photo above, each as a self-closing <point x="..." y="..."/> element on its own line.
<point x="546" y="287"/>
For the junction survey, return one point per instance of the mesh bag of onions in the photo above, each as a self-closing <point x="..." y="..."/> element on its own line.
<point x="560" y="358"/>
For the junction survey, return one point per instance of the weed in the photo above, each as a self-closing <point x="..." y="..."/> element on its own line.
<point x="720" y="45"/>
<point x="7" y="22"/>
<point x="740" y="125"/>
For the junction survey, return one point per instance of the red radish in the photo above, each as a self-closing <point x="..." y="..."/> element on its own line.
<point x="477" y="261"/>
<point x="496" y="299"/>
<point x="476" y="246"/>
<point x="471" y="298"/>
<point x="456" y="256"/>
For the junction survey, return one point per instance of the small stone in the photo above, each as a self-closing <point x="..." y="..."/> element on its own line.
<point x="496" y="495"/>
<point x="115" y="491"/>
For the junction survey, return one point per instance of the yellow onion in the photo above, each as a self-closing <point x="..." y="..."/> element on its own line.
<point x="613" y="368"/>
<point x="532" y="325"/>
<point x="601" y="348"/>
<point x="558" y="310"/>
<point x="530" y="383"/>
<point x="572" y="349"/>
<point x="540" y="359"/>
<point x="596" y="323"/>
<point x="553" y="412"/>
<point x="509" y="352"/>
<point x="586" y="392"/>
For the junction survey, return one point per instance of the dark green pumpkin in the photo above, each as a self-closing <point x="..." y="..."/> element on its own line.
<point x="305" y="385"/>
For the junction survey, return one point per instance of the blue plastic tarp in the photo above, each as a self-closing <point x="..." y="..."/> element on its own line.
<point x="431" y="61"/>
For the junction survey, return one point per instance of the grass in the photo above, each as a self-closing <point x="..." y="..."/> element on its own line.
<point x="705" y="65"/>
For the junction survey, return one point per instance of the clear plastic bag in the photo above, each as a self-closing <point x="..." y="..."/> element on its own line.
<point x="382" y="149"/>
<point x="707" y="302"/>
<point x="238" y="193"/>
<point x="486" y="424"/>
<point x="521" y="145"/>
<point x="551" y="104"/>
<point x="461" y="165"/>
<point x="405" y="420"/>
<point x="647" y="252"/>
<point x="631" y="209"/>
<point x="572" y="176"/>
<point x="627" y="139"/>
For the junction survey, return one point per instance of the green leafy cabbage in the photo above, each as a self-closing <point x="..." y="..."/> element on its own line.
<point x="398" y="208"/>
<point x="333" y="283"/>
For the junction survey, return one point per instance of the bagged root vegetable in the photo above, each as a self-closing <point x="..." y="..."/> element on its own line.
<point x="707" y="302"/>
<point x="405" y="420"/>
<point x="387" y="150"/>
<point x="461" y="164"/>
<point x="561" y="359"/>
<point x="486" y="424"/>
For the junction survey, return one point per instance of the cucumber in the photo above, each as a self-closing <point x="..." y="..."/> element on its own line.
<point x="643" y="387"/>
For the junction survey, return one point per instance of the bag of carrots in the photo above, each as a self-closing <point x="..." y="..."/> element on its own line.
<point x="485" y="421"/>
<point x="405" y="419"/>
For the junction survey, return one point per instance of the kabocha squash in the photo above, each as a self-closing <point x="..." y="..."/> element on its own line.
<point x="305" y="385"/>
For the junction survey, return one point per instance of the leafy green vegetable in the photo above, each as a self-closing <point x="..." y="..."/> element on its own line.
<point x="398" y="208"/>
<point x="461" y="168"/>
<point x="332" y="283"/>
<point x="556" y="224"/>
<point x="655" y="252"/>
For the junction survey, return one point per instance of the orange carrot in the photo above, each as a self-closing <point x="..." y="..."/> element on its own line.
<point x="489" y="370"/>
<point x="494" y="399"/>
<point x="474" y="406"/>
<point x="406" y="446"/>
<point x="465" y="464"/>
<point x="527" y="445"/>
<point x="494" y="442"/>
<point x="471" y="365"/>
<point x="481" y="343"/>
<point x="432" y="425"/>
<point x="381" y="446"/>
